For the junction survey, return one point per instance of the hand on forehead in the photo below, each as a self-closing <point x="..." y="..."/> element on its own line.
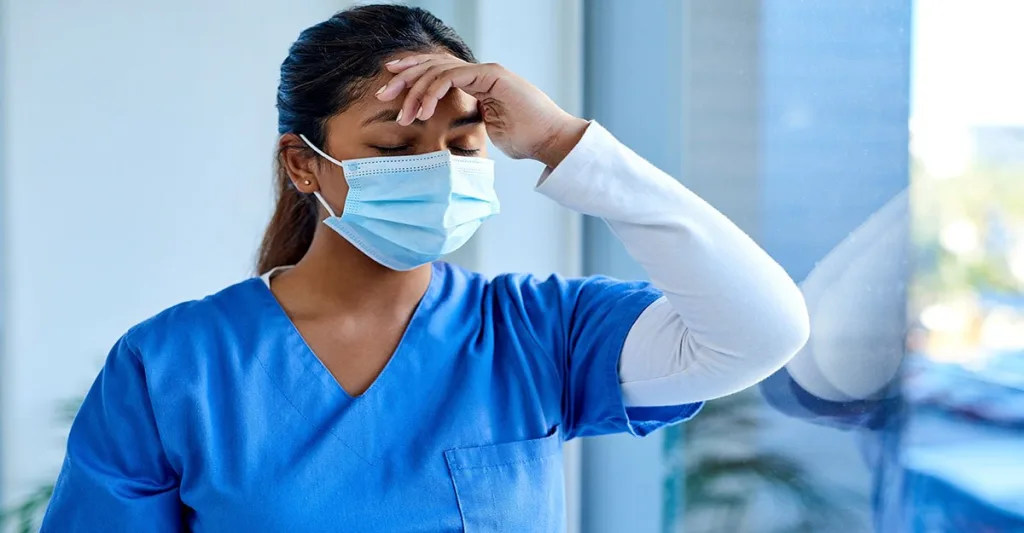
<point x="369" y="126"/>
<point x="398" y="84"/>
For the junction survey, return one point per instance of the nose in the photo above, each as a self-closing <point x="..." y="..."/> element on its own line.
<point x="431" y="143"/>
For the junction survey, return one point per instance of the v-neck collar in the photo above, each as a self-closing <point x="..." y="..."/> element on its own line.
<point x="315" y="393"/>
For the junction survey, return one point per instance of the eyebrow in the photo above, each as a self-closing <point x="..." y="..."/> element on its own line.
<point x="391" y="115"/>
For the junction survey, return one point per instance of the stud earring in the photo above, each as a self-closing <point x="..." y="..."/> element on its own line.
<point x="306" y="182"/>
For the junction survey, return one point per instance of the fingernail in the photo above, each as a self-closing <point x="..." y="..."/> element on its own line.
<point x="419" y="113"/>
<point x="381" y="90"/>
<point x="399" y="117"/>
<point x="392" y="62"/>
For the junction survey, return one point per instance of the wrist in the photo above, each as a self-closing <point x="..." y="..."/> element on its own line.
<point x="565" y="137"/>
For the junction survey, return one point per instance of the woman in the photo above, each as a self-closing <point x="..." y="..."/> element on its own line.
<point x="359" y="384"/>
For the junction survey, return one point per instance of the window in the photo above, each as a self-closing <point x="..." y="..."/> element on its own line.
<point x="792" y="118"/>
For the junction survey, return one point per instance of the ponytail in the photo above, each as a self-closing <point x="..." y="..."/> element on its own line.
<point x="291" y="229"/>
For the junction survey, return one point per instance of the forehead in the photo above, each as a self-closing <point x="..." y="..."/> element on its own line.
<point x="455" y="103"/>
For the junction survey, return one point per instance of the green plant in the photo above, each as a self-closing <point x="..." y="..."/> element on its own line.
<point x="25" y="516"/>
<point x="716" y="477"/>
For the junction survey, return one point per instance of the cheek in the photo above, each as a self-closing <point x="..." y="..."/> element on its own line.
<point x="333" y="188"/>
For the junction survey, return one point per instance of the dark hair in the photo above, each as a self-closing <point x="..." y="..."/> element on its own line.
<point x="327" y="68"/>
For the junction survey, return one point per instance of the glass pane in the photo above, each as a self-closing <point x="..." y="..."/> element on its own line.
<point x="876" y="151"/>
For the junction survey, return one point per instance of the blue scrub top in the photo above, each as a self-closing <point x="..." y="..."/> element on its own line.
<point x="216" y="416"/>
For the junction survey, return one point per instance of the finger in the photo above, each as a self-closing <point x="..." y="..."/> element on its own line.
<point x="437" y="90"/>
<point x="419" y="101"/>
<point x="400" y="65"/>
<point x="434" y="84"/>
<point x="477" y="80"/>
<point x="401" y="81"/>
<point x="404" y="80"/>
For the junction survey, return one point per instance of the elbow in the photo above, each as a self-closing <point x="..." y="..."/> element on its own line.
<point x="771" y="323"/>
<point x="773" y="343"/>
<point x="792" y="330"/>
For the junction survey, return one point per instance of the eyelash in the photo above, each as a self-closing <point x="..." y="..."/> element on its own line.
<point x="392" y="150"/>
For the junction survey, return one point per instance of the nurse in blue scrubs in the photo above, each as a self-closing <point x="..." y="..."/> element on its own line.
<point x="359" y="383"/>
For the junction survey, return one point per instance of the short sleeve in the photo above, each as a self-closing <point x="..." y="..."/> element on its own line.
<point x="115" y="476"/>
<point x="582" y="323"/>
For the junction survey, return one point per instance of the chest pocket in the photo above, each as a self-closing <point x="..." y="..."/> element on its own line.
<point x="516" y="486"/>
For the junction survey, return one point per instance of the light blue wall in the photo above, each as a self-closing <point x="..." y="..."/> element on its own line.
<point x="3" y="227"/>
<point x="633" y="86"/>
<point x="138" y="141"/>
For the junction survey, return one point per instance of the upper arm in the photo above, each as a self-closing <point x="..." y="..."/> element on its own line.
<point x="115" y="476"/>
<point x="582" y="324"/>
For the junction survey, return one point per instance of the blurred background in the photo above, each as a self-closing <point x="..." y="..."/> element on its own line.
<point x="874" y="148"/>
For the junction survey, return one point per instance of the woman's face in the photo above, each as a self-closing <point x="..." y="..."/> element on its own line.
<point x="368" y="128"/>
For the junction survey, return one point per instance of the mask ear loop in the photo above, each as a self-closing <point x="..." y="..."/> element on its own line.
<point x="322" y="154"/>
<point x="324" y="203"/>
<point x="319" y="151"/>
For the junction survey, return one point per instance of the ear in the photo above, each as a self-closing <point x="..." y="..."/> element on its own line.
<point x="299" y="161"/>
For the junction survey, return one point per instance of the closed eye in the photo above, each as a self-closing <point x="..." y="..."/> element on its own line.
<point x="392" y="150"/>
<point x="397" y="150"/>
<point x="464" y="151"/>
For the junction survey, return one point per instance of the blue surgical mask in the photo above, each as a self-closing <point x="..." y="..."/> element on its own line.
<point x="407" y="211"/>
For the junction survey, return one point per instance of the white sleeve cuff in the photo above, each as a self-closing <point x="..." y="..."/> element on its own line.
<point x="567" y="180"/>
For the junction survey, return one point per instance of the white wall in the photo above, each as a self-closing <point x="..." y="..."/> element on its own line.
<point x="138" y="142"/>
